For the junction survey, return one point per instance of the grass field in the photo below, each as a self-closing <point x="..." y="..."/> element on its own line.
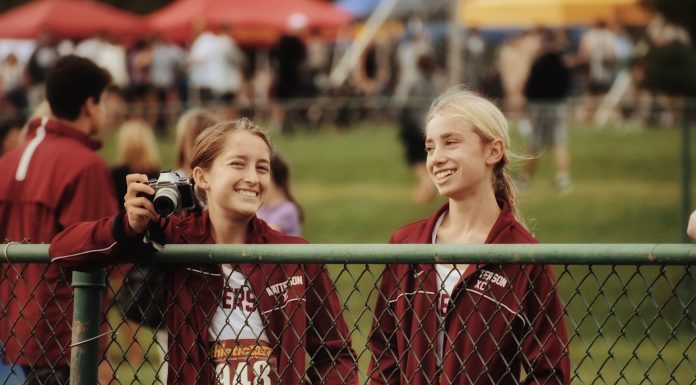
<point x="354" y="186"/>
<point x="626" y="323"/>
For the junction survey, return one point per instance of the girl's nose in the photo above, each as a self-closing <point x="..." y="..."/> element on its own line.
<point x="251" y="176"/>
<point x="435" y="156"/>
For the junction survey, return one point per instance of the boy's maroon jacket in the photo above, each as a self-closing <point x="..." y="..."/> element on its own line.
<point x="301" y="319"/>
<point x="501" y="318"/>
<point x="49" y="183"/>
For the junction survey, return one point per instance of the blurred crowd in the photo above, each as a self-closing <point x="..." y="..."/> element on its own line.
<point x="156" y="79"/>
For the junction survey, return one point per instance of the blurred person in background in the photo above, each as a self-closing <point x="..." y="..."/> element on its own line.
<point x="514" y="62"/>
<point x="166" y="72"/>
<point x="105" y="52"/>
<point x="10" y="73"/>
<point x="290" y="65"/>
<point x="117" y="109"/>
<point x="53" y="180"/>
<point x="416" y="43"/>
<point x="190" y="125"/>
<point x="597" y="55"/>
<point x="276" y="315"/>
<point x="139" y="62"/>
<point x="141" y="94"/>
<point x="546" y="90"/>
<point x="373" y="73"/>
<point x="10" y="133"/>
<point x="136" y="152"/>
<point x="468" y="323"/>
<point x="215" y="68"/>
<point x="140" y="297"/>
<point x="318" y="65"/>
<point x="318" y="59"/>
<point x="281" y="210"/>
<point x="474" y="58"/>
<point x="43" y="57"/>
<point x="424" y="88"/>
<point x="13" y="94"/>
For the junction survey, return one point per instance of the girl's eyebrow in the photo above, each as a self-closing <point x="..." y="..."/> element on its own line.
<point x="449" y="134"/>
<point x="243" y="157"/>
<point x="445" y="135"/>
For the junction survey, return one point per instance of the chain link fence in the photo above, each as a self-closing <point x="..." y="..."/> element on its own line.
<point x="629" y="312"/>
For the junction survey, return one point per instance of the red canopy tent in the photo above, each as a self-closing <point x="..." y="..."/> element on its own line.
<point x="68" y="19"/>
<point x="255" y="22"/>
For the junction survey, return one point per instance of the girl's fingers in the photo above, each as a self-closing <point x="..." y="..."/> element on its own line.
<point x="137" y="185"/>
<point x="139" y="213"/>
<point x="139" y="202"/>
<point x="139" y="218"/>
<point x="130" y="178"/>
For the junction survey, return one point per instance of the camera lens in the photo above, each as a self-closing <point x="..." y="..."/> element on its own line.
<point x="166" y="201"/>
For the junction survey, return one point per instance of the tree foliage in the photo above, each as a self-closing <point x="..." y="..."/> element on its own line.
<point x="672" y="68"/>
<point x="679" y="12"/>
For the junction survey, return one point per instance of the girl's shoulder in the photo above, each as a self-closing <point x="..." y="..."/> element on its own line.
<point x="419" y="231"/>
<point x="515" y="232"/>
<point x="415" y="232"/>
<point x="263" y="233"/>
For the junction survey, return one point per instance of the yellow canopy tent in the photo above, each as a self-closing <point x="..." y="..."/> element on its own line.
<point x="531" y="13"/>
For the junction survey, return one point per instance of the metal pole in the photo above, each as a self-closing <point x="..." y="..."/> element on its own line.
<point x="686" y="169"/>
<point x="350" y="58"/>
<point x="454" y="56"/>
<point x="84" y="357"/>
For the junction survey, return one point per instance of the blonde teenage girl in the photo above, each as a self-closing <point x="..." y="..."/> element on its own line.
<point x="468" y="324"/>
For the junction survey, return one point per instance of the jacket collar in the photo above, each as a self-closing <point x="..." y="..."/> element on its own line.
<point x="504" y="222"/>
<point x="198" y="230"/>
<point x="55" y="127"/>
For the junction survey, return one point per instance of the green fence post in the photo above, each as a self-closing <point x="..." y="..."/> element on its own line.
<point x="84" y="356"/>
<point x="686" y="168"/>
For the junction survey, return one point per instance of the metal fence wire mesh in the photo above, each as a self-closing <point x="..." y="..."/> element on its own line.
<point x="267" y="324"/>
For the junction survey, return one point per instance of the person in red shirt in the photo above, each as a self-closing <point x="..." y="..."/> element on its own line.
<point x="446" y="324"/>
<point x="230" y="323"/>
<point x="51" y="181"/>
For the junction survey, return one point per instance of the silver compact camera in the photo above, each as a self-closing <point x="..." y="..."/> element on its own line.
<point x="173" y="193"/>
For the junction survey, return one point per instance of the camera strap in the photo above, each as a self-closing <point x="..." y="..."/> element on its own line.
<point x="155" y="236"/>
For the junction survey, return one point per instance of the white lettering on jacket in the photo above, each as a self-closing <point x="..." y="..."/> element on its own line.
<point x="282" y="288"/>
<point x="491" y="277"/>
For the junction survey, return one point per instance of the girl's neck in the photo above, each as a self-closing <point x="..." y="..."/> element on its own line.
<point x="226" y="230"/>
<point x="470" y="220"/>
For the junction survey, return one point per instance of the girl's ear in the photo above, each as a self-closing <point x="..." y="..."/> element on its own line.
<point x="89" y="107"/>
<point x="199" y="176"/>
<point x="495" y="151"/>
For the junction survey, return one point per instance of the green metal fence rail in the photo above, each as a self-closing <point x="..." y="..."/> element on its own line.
<point x="642" y="272"/>
<point x="581" y="254"/>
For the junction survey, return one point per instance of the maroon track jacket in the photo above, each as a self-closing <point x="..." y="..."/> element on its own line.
<point x="61" y="181"/>
<point x="501" y="318"/>
<point x="299" y="319"/>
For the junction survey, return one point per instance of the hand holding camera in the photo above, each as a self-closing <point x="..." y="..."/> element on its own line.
<point x="173" y="193"/>
<point x="139" y="209"/>
<point x="148" y="199"/>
